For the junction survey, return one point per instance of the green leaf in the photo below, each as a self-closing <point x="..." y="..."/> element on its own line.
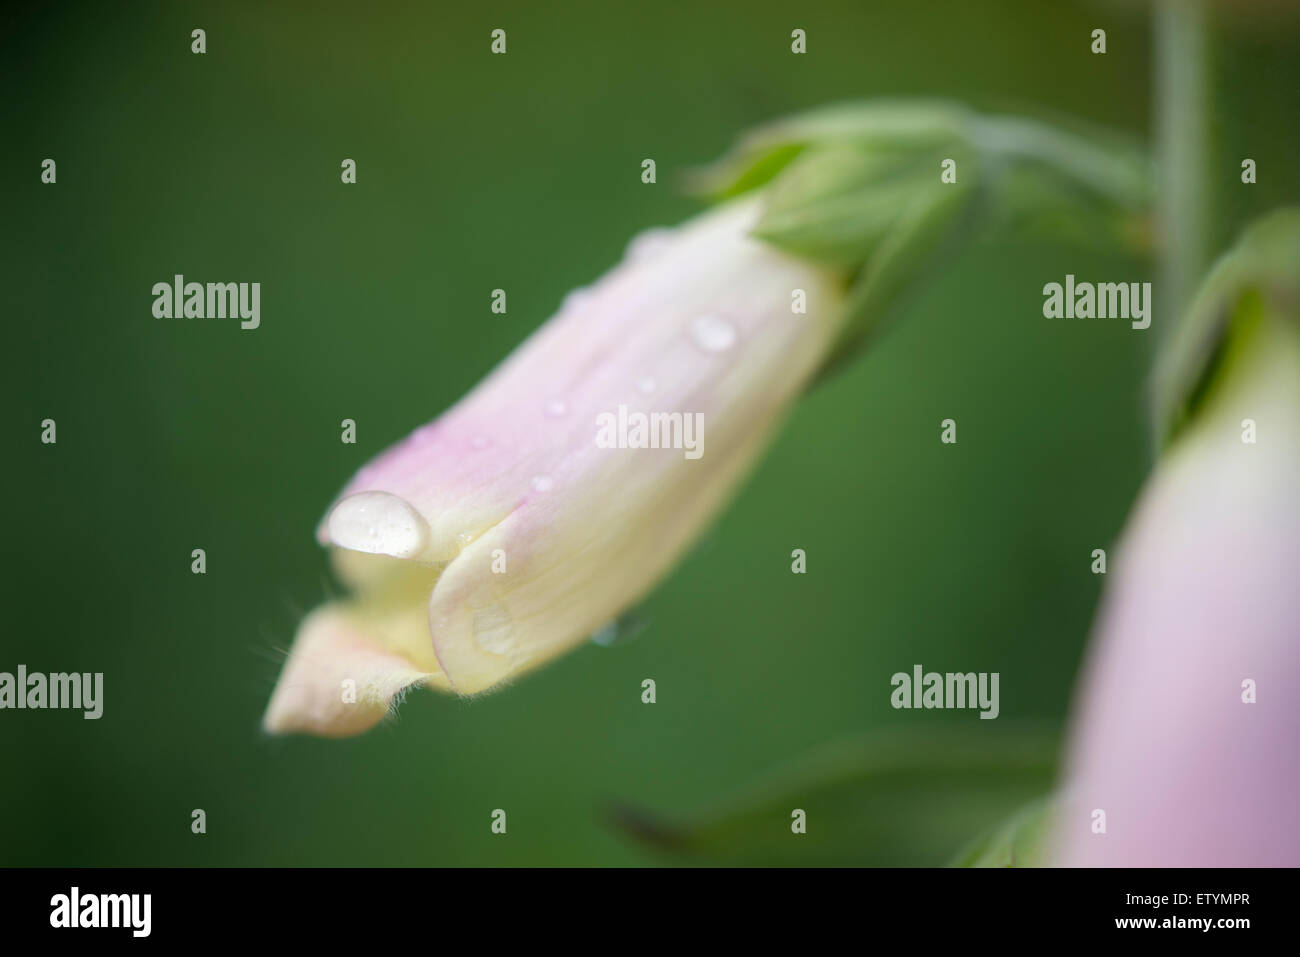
<point x="887" y="798"/>
<point x="1020" y="841"/>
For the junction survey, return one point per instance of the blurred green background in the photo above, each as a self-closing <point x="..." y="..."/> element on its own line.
<point x="523" y="171"/>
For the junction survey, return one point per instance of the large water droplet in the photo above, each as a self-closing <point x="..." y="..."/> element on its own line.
<point x="378" y="523"/>
<point x="713" y="334"/>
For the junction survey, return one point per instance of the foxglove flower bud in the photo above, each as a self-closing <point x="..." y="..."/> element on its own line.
<point x="1186" y="741"/>
<point x="545" y="502"/>
<point x="503" y="533"/>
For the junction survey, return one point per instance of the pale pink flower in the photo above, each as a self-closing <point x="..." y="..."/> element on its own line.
<point x="1204" y="596"/>
<point x="502" y="535"/>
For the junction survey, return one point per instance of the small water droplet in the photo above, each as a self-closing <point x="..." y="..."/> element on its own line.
<point x="713" y="334"/>
<point x="542" y="483"/>
<point x="556" y="408"/>
<point x="646" y="384"/>
<point x="622" y="629"/>
<point x="493" y="630"/>
<point x="464" y="538"/>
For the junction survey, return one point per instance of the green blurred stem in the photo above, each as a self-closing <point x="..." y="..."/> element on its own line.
<point x="1182" y="99"/>
<point x="1106" y="168"/>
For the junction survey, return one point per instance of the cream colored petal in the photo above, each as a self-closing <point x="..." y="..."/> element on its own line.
<point x="338" y="681"/>
<point x="696" y="322"/>
<point x="507" y="531"/>
<point x="577" y="555"/>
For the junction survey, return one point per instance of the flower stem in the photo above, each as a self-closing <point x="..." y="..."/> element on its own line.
<point x="1185" y="197"/>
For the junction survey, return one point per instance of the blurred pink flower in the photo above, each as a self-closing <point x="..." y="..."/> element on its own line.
<point x="1205" y="596"/>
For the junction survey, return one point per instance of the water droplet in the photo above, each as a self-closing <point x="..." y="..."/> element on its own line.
<point x="542" y="483"/>
<point x="464" y="538"/>
<point x="713" y="334"/>
<point x="648" y="243"/>
<point x="378" y="523"/>
<point x="492" y="630"/>
<point x="556" y="408"/>
<point x="621" y="630"/>
<point x="646" y="384"/>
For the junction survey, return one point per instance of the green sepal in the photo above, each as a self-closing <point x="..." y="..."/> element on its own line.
<point x="764" y="152"/>
<point x="929" y="228"/>
<point x="837" y="204"/>
<point x="864" y="188"/>
<point x="1259" y="276"/>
